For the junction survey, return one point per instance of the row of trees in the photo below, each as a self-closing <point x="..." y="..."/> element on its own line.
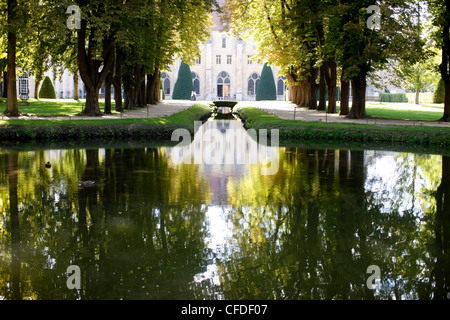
<point x="119" y="43"/>
<point x="320" y="43"/>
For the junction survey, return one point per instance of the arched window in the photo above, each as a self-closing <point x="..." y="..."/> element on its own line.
<point x="166" y="82"/>
<point x="253" y="82"/>
<point x="223" y="85"/>
<point x="281" y="86"/>
<point x="23" y="86"/>
<point x="224" y="78"/>
<point x="196" y="82"/>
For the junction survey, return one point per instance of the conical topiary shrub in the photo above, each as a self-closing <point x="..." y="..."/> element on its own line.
<point x="266" y="88"/>
<point x="47" y="90"/>
<point x="439" y="93"/>
<point x="183" y="87"/>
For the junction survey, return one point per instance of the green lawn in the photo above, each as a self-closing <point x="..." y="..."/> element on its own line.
<point x="50" y="107"/>
<point x="404" y="111"/>
<point x="84" y="130"/>
<point x="422" y="112"/>
<point x="398" y="111"/>
<point x="255" y="118"/>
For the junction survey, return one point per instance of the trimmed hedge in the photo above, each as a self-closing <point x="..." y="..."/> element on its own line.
<point x="266" y="88"/>
<point x="394" y="97"/>
<point x="439" y="94"/>
<point x="47" y="90"/>
<point x="184" y="86"/>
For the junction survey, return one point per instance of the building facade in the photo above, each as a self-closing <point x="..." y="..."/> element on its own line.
<point x="224" y="71"/>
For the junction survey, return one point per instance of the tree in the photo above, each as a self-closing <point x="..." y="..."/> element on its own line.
<point x="266" y="88"/>
<point x="12" y="108"/>
<point x="417" y="76"/>
<point x="440" y="10"/>
<point x="366" y="49"/>
<point x="302" y="36"/>
<point x="183" y="87"/>
<point x="47" y="90"/>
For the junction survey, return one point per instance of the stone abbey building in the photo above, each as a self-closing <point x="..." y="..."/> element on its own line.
<point x="224" y="69"/>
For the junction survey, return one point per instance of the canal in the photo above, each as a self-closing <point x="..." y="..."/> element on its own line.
<point x="213" y="219"/>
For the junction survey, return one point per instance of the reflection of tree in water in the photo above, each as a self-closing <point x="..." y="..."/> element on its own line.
<point x="311" y="231"/>
<point x="440" y="271"/>
<point x="136" y="229"/>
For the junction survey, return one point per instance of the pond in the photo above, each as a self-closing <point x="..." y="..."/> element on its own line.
<point x="159" y="223"/>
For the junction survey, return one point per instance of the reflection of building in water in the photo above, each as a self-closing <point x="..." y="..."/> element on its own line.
<point x="225" y="150"/>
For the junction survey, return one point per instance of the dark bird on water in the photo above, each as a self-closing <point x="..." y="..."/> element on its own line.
<point x="48" y="165"/>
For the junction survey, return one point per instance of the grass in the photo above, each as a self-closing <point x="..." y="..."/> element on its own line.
<point x="51" y="129"/>
<point x="308" y="130"/>
<point x="54" y="107"/>
<point x="403" y="111"/>
<point x="398" y="111"/>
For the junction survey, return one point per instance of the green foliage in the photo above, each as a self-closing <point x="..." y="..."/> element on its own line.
<point x="394" y="97"/>
<point x="161" y="127"/>
<point x="439" y="93"/>
<point x="266" y="89"/>
<point x="257" y="119"/>
<point x="183" y="87"/>
<point x="47" y="90"/>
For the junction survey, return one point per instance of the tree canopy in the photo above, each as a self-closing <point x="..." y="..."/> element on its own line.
<point x="311" y="38"/>
<point x="120" y="43"/>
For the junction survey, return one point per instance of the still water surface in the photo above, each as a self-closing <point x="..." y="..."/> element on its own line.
<point x="141" y="225"/>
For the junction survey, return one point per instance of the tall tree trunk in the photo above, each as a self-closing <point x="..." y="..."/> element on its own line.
<point x="117" y="79"/>
<point x="293" y="90"/>
<point x="153" y="87"/>
<point x="417" y="98"/>
<point x="345" y="96"/>
<point x="75" y="86"/>
<point x="142" y="89"/>
<point x="444" y="67"/>
<point x="93" y="72"/>
<point x="313" y="87"/>
<point x="92" y="96"/>
<point x="303" y="94"/>
<point x="5" y="84"/>
<point x="358" y="110"/>
<point x="108" y="84"/>
<point x="37" y="83"/>
<point x="133" y="89"/>
<point x="12" y="109"/>
<point x="330" y="73"/>
<point x="322" y="91"/>
<point x="16" y="246"/>
<point x="442" y="233"/>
